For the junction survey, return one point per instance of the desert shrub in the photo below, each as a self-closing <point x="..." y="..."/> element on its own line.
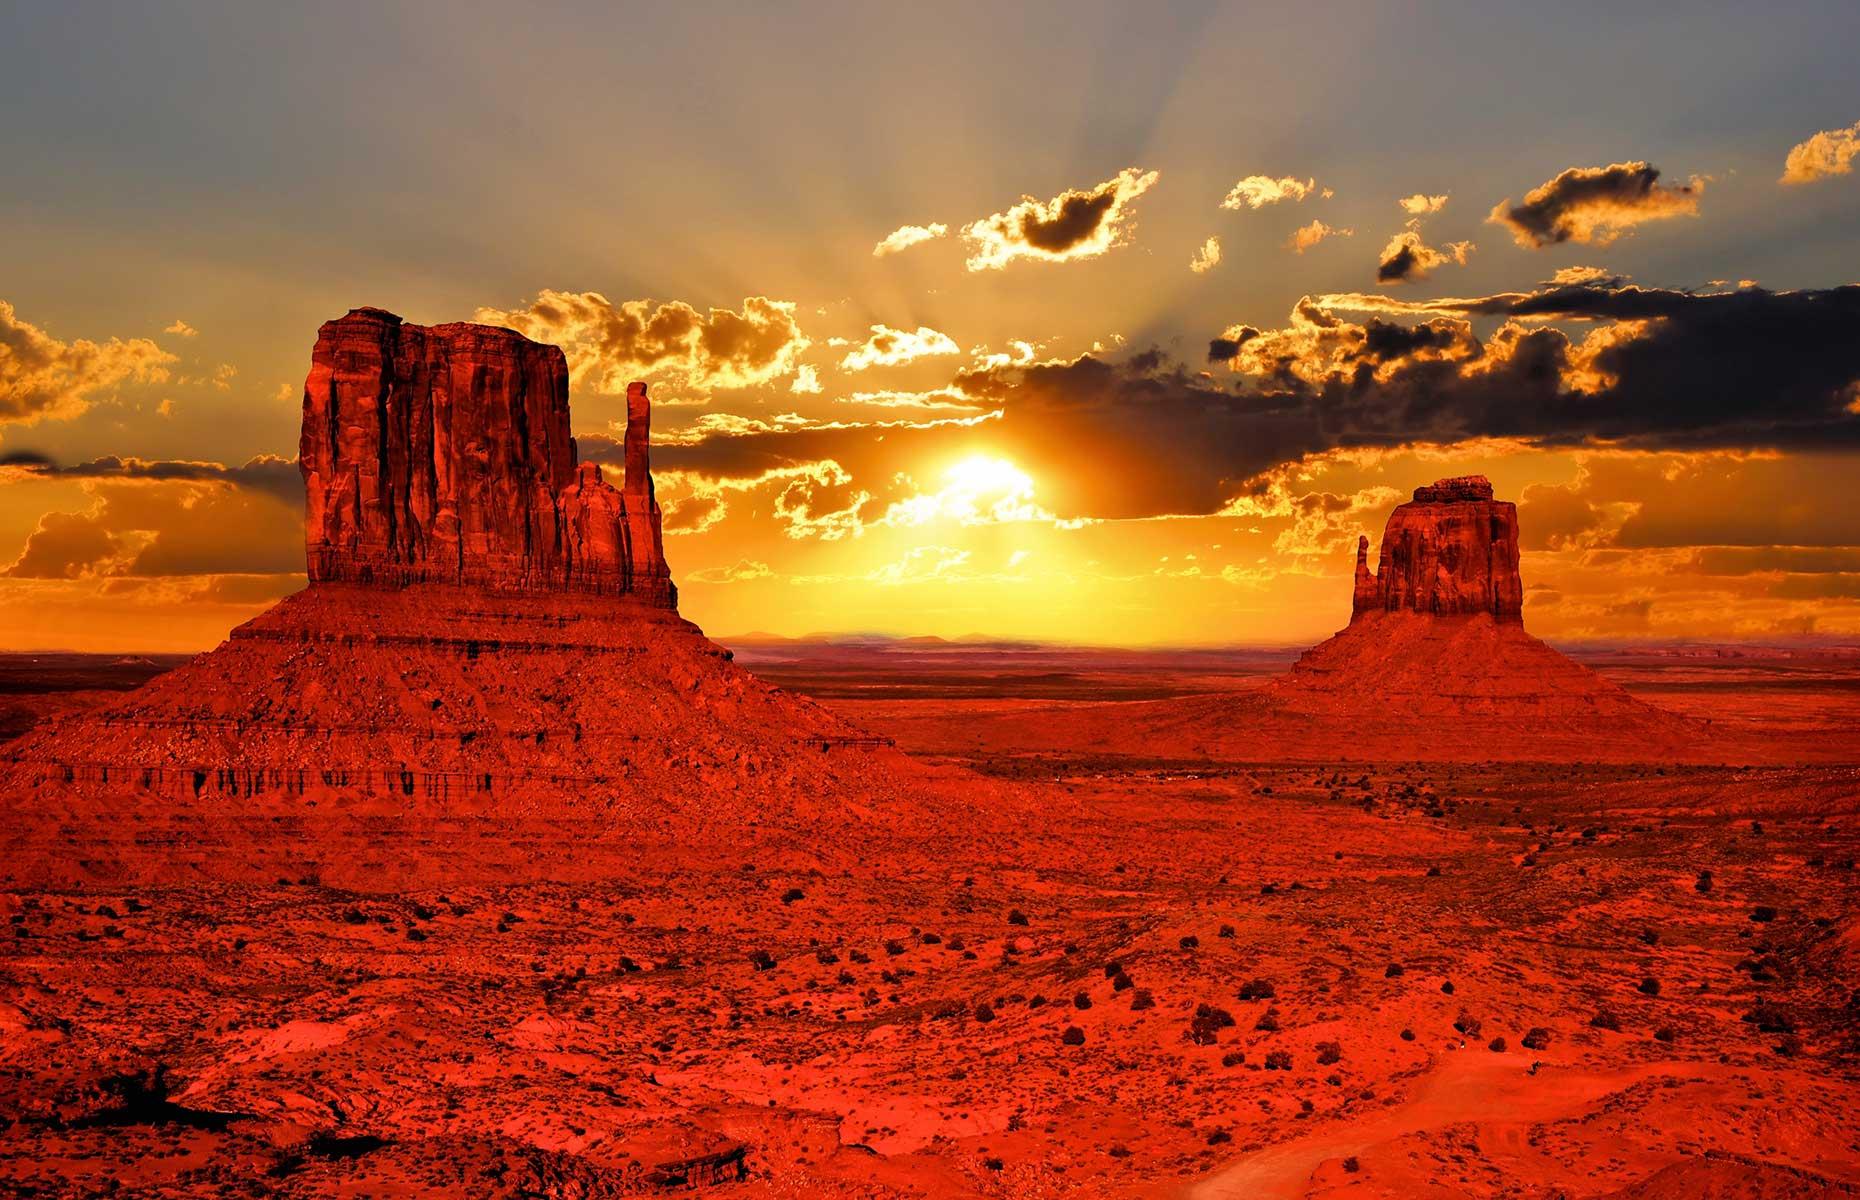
<point x="1233" y="1058"/>
<point x="1227" y="931"/>
<point x="1073" y="1036"/>
<point x="1220" y="1137"/>
<point x="1081" y="1001"/>
<point x="763" y="960"/>
<point x="1279" y="1060"/>
<point x="1649" y="937"/>
<point x="1703" y="883"/>
<point x="984" y="1014"/>
<point x="793" y="894"/>
<point x="1407" y="1035"/>
<point x="1663" y="1034"/>
<point x="1142" y="999"/>
<point x="1394" y="971"/>
<point x="1433" y="872"/>
<point x="1257" y="989"/>
<point x="859" y="956"/>
<point x="1467" y="1024"/>
<point x="1606" y="1019"/>
<point x="1763" y="913"/>
<point x="1016" y="917"/>
<point x="1121" y="983"/>
<point x="930" y="939"/>
<point x="1768" y="1018"/>
<point x="1205" y="1027"/>
<point x="1446" y="989"/>
<point x="1351" y="1166"/>
<point x="1537" y="1038"/>
<point x="826" y="958"/>
<point x="1189" y="941"/>
<point x="1649" y="986"/>
<point x="894" y="948"/>
<point x="1328" y="1053"/>
<point x="1268" y="1021"/>
<point x="1496" y="1045"/>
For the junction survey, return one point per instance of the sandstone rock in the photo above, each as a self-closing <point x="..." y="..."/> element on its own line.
<point x="1452" y="550"/>
<point x="444" y="455"/>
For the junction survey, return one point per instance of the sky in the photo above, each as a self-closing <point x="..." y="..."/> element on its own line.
<point x="1086" y="322"/>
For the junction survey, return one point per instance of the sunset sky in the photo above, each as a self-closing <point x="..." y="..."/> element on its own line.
<point x="1102" y="323"/>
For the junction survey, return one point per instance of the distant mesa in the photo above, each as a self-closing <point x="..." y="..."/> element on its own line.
<point x="1436" y="640"/>
<point x="443" y="455"/>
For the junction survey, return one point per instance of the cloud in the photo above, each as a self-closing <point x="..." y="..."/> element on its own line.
<point x="1567" y="275"/>
<point x="144" y="527"/>
<point x="1420" y="204"/>
<point x="1072" y="225"/>
<point x="1407" y="259"/>
<point x="945" y="398"/>
<point x="43" y="378"/>
<point x="608" y="345"/>
<point x="1307" y="236"/>
<point x="1257" y="191"/>
<point x="181" y="328"/>
<point x="267" y="473"/>
<point x="67" y="546"/>
<point x="1830" y="152"/>
<point x="1595" y="205"/>
<point x="906" y="236"/>
<point x="1655" y="368"/>
<point x="1207" y="257"/>
<point x="888" y="347"/>
<point x="741" y="571"/>
<point x="806" y="381"/>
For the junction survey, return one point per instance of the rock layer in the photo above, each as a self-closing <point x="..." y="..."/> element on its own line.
<point x="443" y="455"/>
<point x="1452" y="550"/>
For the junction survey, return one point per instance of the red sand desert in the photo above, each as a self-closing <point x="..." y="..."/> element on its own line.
<point x="474" y="869"/>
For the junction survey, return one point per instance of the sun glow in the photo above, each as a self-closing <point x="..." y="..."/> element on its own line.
<point x="977" y="490"/>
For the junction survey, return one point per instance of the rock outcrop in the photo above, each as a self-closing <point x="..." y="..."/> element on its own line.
<point x="443" y="455"/>
<point x="1452" y="550"/>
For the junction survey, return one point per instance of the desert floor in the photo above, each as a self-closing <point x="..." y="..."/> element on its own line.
<point x="1160" y="977"/>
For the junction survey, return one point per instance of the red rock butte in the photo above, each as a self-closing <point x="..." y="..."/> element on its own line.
<point x="443" y="455"/>
<point x="1452" y="550"/>
<point x="487" y="672"/>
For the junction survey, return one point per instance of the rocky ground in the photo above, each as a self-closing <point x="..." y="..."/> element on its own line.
<point x="1124" y="977"/>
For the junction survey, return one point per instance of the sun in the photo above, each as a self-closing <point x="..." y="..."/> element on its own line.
<point x="981" y="475"/>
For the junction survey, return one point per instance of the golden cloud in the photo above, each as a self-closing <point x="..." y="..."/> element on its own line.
<point x="1257" y="191"/>
<point x="906" y="236"/>
<point x="1307" y="236"/>
<point x="43" y="378"/>
<point x="1407" y="259"/>
<point x="1072" y="225"/>
<point x="1420" y="204"/>
<point x="609" y="345"/>
<point x="1830" y="152"/>
<point x="1207" y="257"/>
<point x="888" y="347"/>
<point x="1595" y="205"/>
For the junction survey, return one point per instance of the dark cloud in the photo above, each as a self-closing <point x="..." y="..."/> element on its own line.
<point x="1079" y="223"/>
<point x="1656" y="369"/>
<point x="1399" y="266"/>
<point x="1595" y="204"/>
<point x="274" y="476"/>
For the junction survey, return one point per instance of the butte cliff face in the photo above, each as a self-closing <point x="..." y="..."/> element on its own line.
<point x="443" y="455"/>
<point x="1452" y="550"/>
